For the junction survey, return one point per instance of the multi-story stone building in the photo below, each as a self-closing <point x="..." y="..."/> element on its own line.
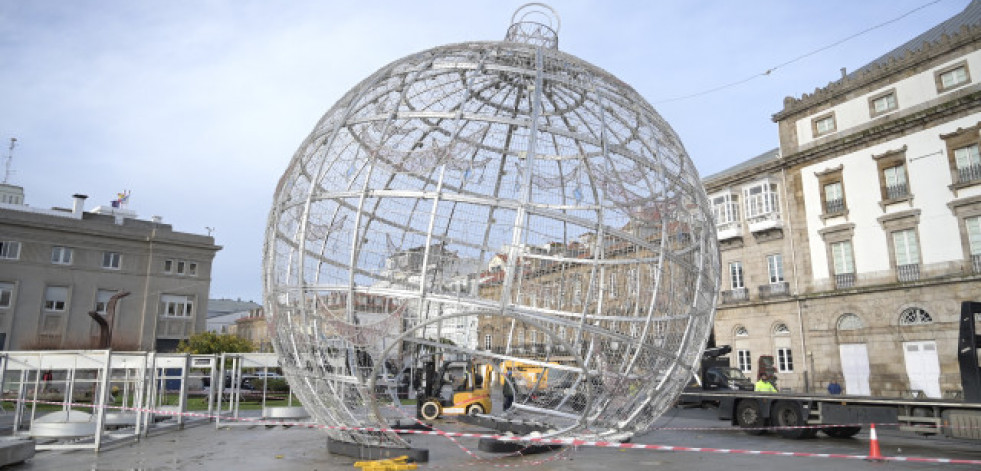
<point x="58" y="265"/>
<point x="879" y="176"/>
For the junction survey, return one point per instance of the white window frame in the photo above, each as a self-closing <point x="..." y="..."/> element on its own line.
<point x="785" y="360"/>
<point x="736" y="275"/>
<point x="761" y="199"/>
<point x="55" y="298"/>
<point x="725" y="208"/>
<point x="614" y="288"/>
<point x="843" y="260"/>
<point x="102" y="298"/>
<point x="954" y="77"/>
<point x="744" y="361"/>
<point x="61" y="255"/>
<point x="973" y="226"/>
<point x="906" y="247"/>
<point x="774" y="267"/>
<point x="177" y="306"/>
<point x="487" y="342"/>
<point x="10" y="249"/>
<point x="111" y="260"/>
<point x="967" y="156"/>
<point x="632" y="281"/>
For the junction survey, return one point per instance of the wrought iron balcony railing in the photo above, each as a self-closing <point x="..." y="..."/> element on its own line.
<point x="834" y="206"/>
<point x="844" y="280"/>
<point x="907" y="273"/>
<point x="969" y="174"/>
<point x="895" y="192"/>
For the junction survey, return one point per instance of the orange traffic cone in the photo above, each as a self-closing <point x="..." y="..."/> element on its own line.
<point x="874" y="453"/>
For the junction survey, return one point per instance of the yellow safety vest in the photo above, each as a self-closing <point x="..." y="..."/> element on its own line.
<point x="765" y="386"/>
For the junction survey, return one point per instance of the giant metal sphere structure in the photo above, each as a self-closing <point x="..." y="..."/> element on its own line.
<point x="500" y="202"/>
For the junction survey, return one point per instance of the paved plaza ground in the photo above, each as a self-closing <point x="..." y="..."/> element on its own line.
<point x="240" y="448"/>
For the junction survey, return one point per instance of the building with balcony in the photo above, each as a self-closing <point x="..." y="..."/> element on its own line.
<point x="59" y="266"/>
<point x="880" y="198"/>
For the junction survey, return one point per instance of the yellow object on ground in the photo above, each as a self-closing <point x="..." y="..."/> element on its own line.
<point x="394" y="464"/>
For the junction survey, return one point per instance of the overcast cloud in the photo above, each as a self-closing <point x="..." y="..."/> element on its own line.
<point x="197" y="106"/>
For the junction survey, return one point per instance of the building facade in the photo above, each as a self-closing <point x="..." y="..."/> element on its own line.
<point x="57" y="266"/>
<point x="880" y="176"/>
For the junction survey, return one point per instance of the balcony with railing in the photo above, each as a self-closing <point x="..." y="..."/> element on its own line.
<point x="897" y="191"/>
<point x="907" y="273"/>
<point x="835" y="206"/>
<point x="735" y="296"/>
<point x="774" y="290"/>
<point x="844" y="280"/>
<point x="969" y="174"/>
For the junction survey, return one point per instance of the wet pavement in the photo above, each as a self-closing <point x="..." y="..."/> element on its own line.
<point x="256" y="447"/>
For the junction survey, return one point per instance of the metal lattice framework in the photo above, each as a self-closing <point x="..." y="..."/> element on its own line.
<point x="502" y="201"/>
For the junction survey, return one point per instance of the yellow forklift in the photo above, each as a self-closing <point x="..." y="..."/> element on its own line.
<point x="455" y="388"/>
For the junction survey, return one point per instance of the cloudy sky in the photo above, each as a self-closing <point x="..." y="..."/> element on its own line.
<point x="197" y="106"/>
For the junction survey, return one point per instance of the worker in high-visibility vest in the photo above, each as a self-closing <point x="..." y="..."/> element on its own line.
<point x="764" y="384"/>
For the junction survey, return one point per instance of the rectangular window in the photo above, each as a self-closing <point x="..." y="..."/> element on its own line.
<point x="785" y="360"/>
<point x="613" y="289"/>
<point x="895" y="179"/>
<point x="487" y="342"/>
<point x="6" y="295"/>
<point x="632" y="281"/>
<point x="841" y="253"/>
<point x="736" y="275"/>
<point x="168" y="266"/>
<point x="906" y="247"/>
<point x="974" y="234"/>
<point x="883" y="104"/>
<point x="192" y="269"/>
<point x="61" y="255"/>
<point x="745" y="361"/>
<point x="774" y="265"/>
<point x="834" y="198"/>
<point x="10" y="249"/>
<point x="176" y="306"/>
<point x="823" y="125"/>
<point x="968" y="162"/>
<point x="110" y="260"/>
<point x="953" y="78"/>
<point x="102" y="298"/>
<point x="180" y="267"/>
<point x="55" y="298"/>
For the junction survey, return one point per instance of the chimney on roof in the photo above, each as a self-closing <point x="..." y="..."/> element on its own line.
<point x="78" y="207"/>
<point x="844" y="72"/>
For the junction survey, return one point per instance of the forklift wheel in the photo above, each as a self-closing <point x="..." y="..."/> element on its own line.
<point x="429" y="410"/>
<point x="474" y="409"/>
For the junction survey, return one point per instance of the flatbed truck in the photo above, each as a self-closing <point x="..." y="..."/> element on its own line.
<point x="843" y="416"/>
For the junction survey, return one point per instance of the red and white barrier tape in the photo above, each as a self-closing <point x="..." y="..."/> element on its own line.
<point x="532" y="440"/>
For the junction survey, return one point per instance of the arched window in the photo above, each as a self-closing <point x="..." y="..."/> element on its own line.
<point x="781" y="329"/>
<point x="742" y="332"/>
<point x="914" y="316"/>
<point x="850" y="321"/>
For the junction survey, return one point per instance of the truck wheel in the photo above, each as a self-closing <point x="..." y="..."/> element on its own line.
<point x="841" y="432"/>
<point x="429" y="410"/>
<point x="789" y="414"/>
<point x="474" y="409"/>
<point x="748" y="416"/>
